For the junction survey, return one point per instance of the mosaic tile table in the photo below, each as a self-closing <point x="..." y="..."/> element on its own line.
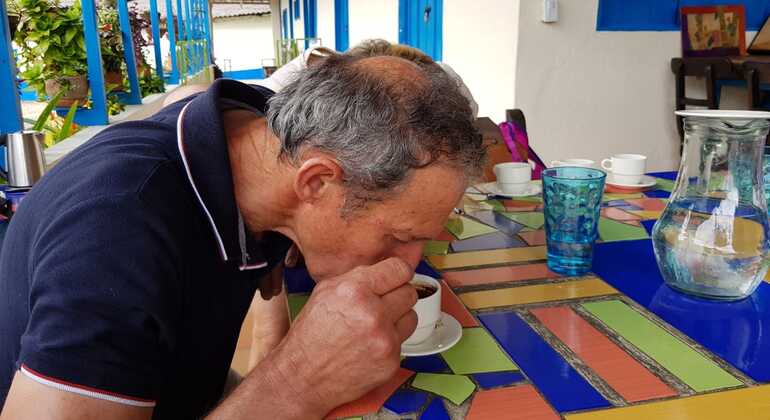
<point x="615" y="344"/>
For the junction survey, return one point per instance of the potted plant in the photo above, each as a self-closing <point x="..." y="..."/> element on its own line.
<point x="112" y="49"/>
<point x="53" y="54"/>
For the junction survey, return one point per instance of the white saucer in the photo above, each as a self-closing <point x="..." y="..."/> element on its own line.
<point x="447" y="333"/>
<point x="646" y="182"/>
<point x="533" y="188"/>
<point x="724" y="114"/>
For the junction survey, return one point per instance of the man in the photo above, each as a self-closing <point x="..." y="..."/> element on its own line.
<point x="128" y="270"/>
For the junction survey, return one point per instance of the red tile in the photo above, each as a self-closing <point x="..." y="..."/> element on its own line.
<point x="445" y="236"/>
<point x="371" y="402"/>
<point x="633" y="223"/>
<point x="451" y="304"/>
<point x="649" y="204"/>
<point x="498" y="275"/>
<point x="516" y="205"/>
<point x="621" y="371"/>
<point x="534" y="237"/>
<point x="618" y="214"/>
<point x="521" y="402"/>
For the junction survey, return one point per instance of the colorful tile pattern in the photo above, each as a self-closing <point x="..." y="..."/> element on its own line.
<point x="614" y="344"/>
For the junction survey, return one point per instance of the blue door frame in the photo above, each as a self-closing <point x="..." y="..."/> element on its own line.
<point x="420" y="24"/>
<point x="341" y="32"/>
<point x="310" y="20"/>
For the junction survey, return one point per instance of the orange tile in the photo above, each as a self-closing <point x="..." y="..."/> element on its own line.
<point x="533" y="237"/>
<point x="622" y="372"/>
<point x="445" y="236"/>
<point x="499" y="275"/>
<point x="618" y="214"/>
<point x="633" y="223"/>
<point x="451" y="304"/>
<point x="648" y="204"/>
<point x="478" y="259"/>
<point x="371" y="402"/>
<point x="516" y="205"/>
<point x="521" y="402"/>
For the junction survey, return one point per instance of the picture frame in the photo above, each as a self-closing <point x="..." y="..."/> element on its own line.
<point x="760" y="45"/>
<point x="713" y="31"/>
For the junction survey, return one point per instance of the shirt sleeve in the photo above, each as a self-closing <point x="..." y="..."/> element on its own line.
<point x="102" y="299"/>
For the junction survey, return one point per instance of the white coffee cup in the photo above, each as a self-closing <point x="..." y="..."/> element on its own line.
<point x="428" y="310"/>
<point x="582" y="163"/>
<point x="626" y="168"/>
<point x="513" y="177"/>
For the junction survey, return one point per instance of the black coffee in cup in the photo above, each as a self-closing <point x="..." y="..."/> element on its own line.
<point x="424" y="290"/>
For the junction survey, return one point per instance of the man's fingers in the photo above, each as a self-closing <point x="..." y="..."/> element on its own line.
<point x="406" y="325"/>
<point x="388" y="275"/>
<point x="399" y="301"/>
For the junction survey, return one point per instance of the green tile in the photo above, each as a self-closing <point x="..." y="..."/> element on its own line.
<point x="296" y="303"/>
<point x="464" y="228"/>
<point x="477" y="352"/>
<point x="531" y="199"/>
<point x="494" y="205"/>
<point x="455" y="388"/>
<point x="664" y="184"/>
<point x="612" y="231"/>
<point x="532" y="220"/>
<point x="693" y="368"/>
<point x="618" y="196"/>
<point x="436" y="248"/>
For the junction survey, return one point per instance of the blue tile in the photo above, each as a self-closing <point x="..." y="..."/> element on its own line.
<point x="657" y="194"/>
<point x="495" y="379"/>
<point x="648" y="224"/>
<point x="628" y="207"/>
<point x="424" y="268"/>
<point x="671" y="175"/>
<point x="622" y="204"/>
<point x="496" y="240"/>
<point x="435" y="411"/>
<point x="428" y="364"/>
<point x="734" y="331"/>
<point x="406" y="401"/>
<point x="498" y="221"/>
<point x="559" y="382"/>
<point x="298" y="280"/>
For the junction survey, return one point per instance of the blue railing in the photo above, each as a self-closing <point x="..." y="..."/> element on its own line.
<point x="193" y="28"/>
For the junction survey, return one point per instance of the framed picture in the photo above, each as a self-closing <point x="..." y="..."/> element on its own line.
<point x="713" y="31"/>
<point x="761" y="42"/>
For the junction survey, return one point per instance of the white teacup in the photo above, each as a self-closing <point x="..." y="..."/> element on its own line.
<point x="513" y="177"/>
<point x="582" y="163"/>
<point x="626" y="168"/>
<point x="428" y="310"/>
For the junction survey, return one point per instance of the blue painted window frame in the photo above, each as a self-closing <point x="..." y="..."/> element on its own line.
<point x="663" y="15"/>
<point x="341" y="25"/>
<point x="295" y="7"/>
<point x="409" y="12"/>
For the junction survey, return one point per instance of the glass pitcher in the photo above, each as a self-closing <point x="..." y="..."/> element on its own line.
<point x="712" y="238"/>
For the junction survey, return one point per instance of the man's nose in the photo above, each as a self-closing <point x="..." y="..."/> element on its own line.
<point x="411" y="253"/>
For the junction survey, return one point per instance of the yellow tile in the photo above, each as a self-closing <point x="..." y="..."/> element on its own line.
<point x="589" y="286"/>
<point x="480" y="258"/>
<point x="647" y="214"/>
<point x="746" y="403"/>
<point x="767" y="277"/>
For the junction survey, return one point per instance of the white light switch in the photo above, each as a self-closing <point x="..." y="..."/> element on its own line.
<point x="550" y="11"/>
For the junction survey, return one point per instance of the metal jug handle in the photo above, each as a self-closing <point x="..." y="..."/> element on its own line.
<point x="4" y="171"/>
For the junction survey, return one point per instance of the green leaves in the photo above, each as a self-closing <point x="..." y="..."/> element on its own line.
<point x="71" y="32"/>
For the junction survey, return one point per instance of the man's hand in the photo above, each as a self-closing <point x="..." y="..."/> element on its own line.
<point x="346" y="341"/>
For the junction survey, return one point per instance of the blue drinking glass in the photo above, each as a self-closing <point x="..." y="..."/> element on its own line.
<point x="766" y="176"/>
<point x="573" y="200"/>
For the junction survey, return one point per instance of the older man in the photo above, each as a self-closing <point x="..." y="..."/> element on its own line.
<point x="128" y="270"/>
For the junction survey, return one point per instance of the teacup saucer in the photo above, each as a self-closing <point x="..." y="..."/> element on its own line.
<point x="491" y="188"/>
<point x="646" y="182"/>
<point x="447" y="333"/>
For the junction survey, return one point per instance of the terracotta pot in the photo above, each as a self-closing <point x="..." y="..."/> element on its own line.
<point x="114" y="78"/>
<point x="78" y="89"/>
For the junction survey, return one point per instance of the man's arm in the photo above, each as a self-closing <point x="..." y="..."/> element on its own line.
<point x="28" y="399"/>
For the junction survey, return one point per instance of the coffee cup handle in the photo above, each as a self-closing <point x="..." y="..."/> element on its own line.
<point x="532" y="164"/>
<point x="607" y="164"/>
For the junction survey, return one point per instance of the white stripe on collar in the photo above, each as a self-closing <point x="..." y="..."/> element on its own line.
<point x="180" y="144"/>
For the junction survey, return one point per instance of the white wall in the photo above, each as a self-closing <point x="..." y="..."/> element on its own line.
<point x="591" y="94"/>
<point x="244" y="40"/>
<point x="373" y="19"/>
<point x="326" y="29"/>
<point x="480" y="43"/>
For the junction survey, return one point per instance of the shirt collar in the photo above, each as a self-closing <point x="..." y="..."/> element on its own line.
<point x="203" y="148"/>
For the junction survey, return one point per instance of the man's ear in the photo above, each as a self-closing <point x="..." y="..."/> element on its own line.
<point x="315" y="178"/>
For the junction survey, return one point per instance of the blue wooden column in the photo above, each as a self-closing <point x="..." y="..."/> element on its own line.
<point x="207" y="31"/>
<point x="134" y="96"/>
<point x="189" y="34"/>
<point x="182" y="33"/>
<point x="173" y="78"/>
<point x="155" y="22"/>
<point x="97" y="115"/>
<point x="10" y="108"/>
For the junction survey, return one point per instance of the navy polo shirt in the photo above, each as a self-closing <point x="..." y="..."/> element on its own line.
<point x="126" y="273"/>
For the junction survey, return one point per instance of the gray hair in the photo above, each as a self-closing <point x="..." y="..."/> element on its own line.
<point x="378" y="126"/>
